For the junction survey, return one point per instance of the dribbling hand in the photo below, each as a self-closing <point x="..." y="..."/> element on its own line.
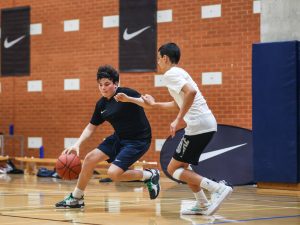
<point x="71" y="149"/>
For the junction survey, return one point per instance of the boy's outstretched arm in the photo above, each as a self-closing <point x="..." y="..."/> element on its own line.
<point x="145" y="101"/>
<point x="122" y="97"/>
<point x="148" y="99"/>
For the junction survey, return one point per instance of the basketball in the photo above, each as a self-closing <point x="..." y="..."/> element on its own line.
<point x="68" y="166"/>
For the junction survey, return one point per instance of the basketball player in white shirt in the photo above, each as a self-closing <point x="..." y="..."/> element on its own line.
<point x="201" y="126"/>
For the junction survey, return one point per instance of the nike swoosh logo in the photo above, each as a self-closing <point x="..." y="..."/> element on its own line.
<point x="12" y="43"/>
<point x="103" y="111"/>
<point x="215" y="153"/>
<point x="127" y="36"/>
<point x="154" y="187"/>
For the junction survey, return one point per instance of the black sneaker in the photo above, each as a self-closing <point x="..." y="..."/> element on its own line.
<point x="70" y="203"/>
<point x="153" y="183"/>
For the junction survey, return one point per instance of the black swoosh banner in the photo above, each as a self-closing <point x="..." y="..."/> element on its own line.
<point x="137" y="35"/>
<point x="229" y="155"/>
<point x="15" y="41"/>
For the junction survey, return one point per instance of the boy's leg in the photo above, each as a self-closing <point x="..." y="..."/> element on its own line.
<point x="201" y="205"/>
<point x="75" y="199"/>
<point x="130" y="152"/>
<point x="90" y="162"/>
<point x="118" y="174"/>
<point x="219" y="191"/>
<point x="199" y="194"/>
<point x="149" y="176"/>
<point x="177" y="170"/>
<point x="188" y="152"/>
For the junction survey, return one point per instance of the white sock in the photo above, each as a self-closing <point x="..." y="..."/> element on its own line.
<point x="77" y="193"/>
<point x="146" y="175"/>
<point x="209" y="185"/>
<point x="200" y="197"/>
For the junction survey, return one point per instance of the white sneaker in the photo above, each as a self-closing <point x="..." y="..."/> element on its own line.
<point x="196" y="209"/>
<point x="217" y="198"/>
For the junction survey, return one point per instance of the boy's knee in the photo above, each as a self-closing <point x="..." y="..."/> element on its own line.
<point x="90" y="160"/>
<point x="115" y="176"/>
<point x="175" y="172"/>
<point x="170" y="170"/>
<point x="88" y="157"/>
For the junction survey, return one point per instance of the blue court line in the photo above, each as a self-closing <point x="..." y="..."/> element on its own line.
<point x="251" y="219"/>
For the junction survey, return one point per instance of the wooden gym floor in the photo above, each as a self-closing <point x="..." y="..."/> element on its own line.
<point x="29" y="200"/>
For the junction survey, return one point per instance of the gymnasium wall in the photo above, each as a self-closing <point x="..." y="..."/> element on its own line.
<point x="280" y="20"/>
<point x="221" y="43"/>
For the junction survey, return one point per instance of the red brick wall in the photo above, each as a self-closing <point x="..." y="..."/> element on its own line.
<point x="208" y="45"/>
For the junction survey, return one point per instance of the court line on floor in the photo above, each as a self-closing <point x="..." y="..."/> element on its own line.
<point x="52" y="220"/>
<point x="252" y="219"/>
<point x="142" y="203"/>
<point x="34" y="218"/>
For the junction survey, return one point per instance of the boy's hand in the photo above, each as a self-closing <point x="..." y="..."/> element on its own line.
<point x="121" y="97"/>
<point x="71" y="149"/>
<point x="148" y="99"/>
<point x="173" y="127"/>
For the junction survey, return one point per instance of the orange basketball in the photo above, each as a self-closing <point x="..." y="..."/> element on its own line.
<point x="68" y="166"/>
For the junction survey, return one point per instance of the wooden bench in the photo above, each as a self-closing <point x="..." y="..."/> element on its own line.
<point x="32" y="164"/>
<point x="4" y="158"/>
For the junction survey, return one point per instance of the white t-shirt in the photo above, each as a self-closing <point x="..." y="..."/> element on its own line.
<point x="199" y="118"/>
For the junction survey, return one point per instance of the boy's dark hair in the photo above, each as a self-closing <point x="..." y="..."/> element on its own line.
<point x="108" y="72"/>
<point x="171" y="50"/>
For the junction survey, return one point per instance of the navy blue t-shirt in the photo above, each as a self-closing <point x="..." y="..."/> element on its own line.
<point x="128" y="119"/>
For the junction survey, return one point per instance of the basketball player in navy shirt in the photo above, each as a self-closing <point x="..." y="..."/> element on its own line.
<point x="129" y="142"/>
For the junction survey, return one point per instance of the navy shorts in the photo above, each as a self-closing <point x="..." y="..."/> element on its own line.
<point x="123" y="153"/>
